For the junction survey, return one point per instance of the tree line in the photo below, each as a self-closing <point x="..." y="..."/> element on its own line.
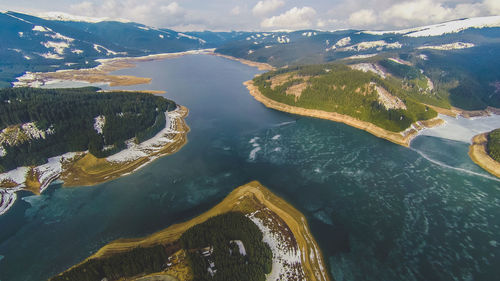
<point x="70" y="113"/>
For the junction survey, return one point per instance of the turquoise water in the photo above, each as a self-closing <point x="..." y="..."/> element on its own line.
<point x="379" y="211"/>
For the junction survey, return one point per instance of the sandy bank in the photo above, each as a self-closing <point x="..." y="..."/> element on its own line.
<point x="250" y="199"/>
<point x="478" y="154"/>
<point x="402" y="138"/>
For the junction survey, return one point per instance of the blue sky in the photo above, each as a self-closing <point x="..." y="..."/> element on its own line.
<point x="267" y="15"/>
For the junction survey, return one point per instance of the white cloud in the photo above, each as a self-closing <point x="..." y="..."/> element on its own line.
<point x="235" y="11"/>
<point x="294" y="18"/>
<point x="267" y="6"/>
<point x="493" y="6"/>
<point x="172" y="9"/>
<point x="362" y="18"/>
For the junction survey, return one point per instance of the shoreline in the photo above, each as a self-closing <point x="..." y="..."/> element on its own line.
<point x="403" y="138"/>
<point x="101" y="73"/>
<point x="250" y="198"/>
<point x="83" y="169"/>
<point x="479" y="155"/>
<point x="259" y="65"/>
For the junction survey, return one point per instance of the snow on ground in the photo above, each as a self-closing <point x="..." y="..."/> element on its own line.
<point x="309" y="34"/>
<point x="20" y="134"/>
<point x="423" y="57"/>
<point x="100" y="49"/>
<point x="463" y="129"/>
<point x="400" y="61"/>
<point x="156" y="143"/>
<point x="60" y="16"/>
<point x="241" y="247"/>
<point x="7" y="199"/>
<point x="50" y="55"/>
<point x="76" y="51"/>
<point x="445" y="28"/>
<point x="58" y="47"/>
<point x="99" y="123"/>
<point x="355" y="57"/>
<point x="283" y="39"/>
<point x="341" y="43"/>
<point x="365" y="67"/>
<point x="446" y="47"/>
<point x="387" y="100"/>
<point x="60" y="37"/>
<point x="41" y="28"/>
<point x="379" y="45"/>
<point x="3" y="152"/>
<point x="285" y="259"/>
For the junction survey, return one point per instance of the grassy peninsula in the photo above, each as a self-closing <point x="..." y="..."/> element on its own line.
<point x="485" y="151"/>
<point x="341" y="93"/>
<point x="271" y="241"/>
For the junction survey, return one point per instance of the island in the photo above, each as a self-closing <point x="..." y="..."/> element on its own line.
<point x="485" y="151"/>
<point x="81" y="136"/>
<point x="252" y="233"/>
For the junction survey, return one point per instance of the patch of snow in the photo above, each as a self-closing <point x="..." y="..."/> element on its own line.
<point x="388" y="100"/>
<point x="161" y="36"/>
<point x="268" y="46"/>
<point x="99" y="123"/>
<point x="60" y="16"/>
<point x="52" y="56"/>
<point x="100" y="48"/>
<point x="27" y="57"/>
<point x="241" y="247"/>
<point x="446" y="47"/>
<point x="58" y="47"/>
<point x="380" y="44"/>
<point x="400" y="61"/>
<point x="365" y="67"/>
<point x="423" y="57"/>
<point x="286" y="260"/>
<point x="17" y="175"/>
<point x="17" y="18"/>
<point x="41" y="28"/>
<point x="355" y="57"/>
<point x="276" y="137"/>
<point x="142" y="27"/>
<point x="21" y="34"/>
<point x="7" y="199"/>
<point x="135" y="151"/>
<point x="60" y="37"/>
<point x="3" y="152"/>
<point x="445" y="28"/>
<point x="76" y="51"/>
<point x="283" y="39"/>
<point x="192" y="37"/>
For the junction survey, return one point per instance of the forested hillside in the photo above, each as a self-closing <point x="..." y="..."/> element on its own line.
<point x="37" y="124"/>
<point x="493" y="147"/>
<point x="339" y="88"/>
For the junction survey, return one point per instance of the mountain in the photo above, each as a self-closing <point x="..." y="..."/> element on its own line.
<point x="459" y="57"/>
<point x="31" y="43"/>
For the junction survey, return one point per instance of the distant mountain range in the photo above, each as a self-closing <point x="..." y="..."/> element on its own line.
<point x="465" y="52"/>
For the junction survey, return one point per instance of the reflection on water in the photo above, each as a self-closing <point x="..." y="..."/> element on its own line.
<point x="379" y="211"/>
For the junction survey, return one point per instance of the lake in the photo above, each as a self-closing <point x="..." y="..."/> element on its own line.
<point x="378" y="210"/>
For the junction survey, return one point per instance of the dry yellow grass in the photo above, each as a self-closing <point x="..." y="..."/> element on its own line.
<point x="478" y="154"/>
<point x="246" y="199"/>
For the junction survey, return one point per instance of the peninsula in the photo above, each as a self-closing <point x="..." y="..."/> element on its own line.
<point x="93" y="137"/>
<point x="485" y="151"/>
<point x="295" y="253"/>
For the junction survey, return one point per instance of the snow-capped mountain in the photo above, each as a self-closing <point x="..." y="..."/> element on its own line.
<point x="445" y="28"/>
<point x="60" y="41"/>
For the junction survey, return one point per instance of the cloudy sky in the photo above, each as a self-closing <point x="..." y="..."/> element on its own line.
<point x="267" y="15"/>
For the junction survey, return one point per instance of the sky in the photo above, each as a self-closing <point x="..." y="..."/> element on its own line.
<point x="267" y="15"/>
